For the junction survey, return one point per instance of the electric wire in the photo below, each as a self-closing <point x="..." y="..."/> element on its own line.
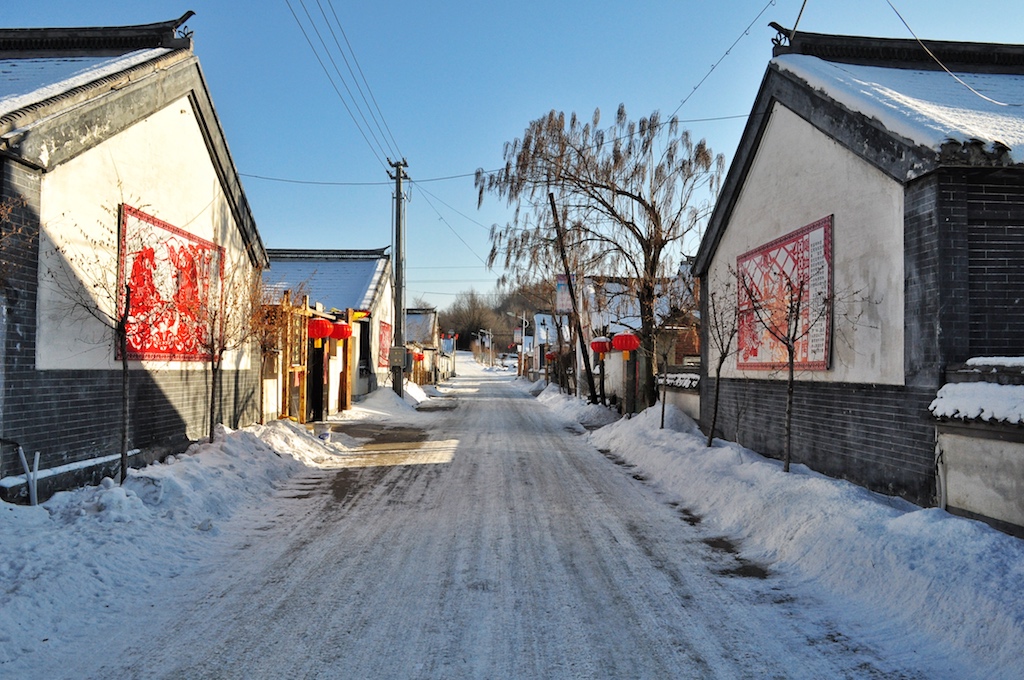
<point x="457" y="235"/>
<point x="722" y="58"/>
<point x="943" y="66"/>
<point x="362" y="75"/>
<point x="336" y="90"/>
<point x="344" y="83"/>
<point x="392" y="148"/>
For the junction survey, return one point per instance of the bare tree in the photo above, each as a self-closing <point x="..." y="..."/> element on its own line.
<point x="721" y="326"/>
<point x="84" y="270"/>
<point x="782" y="306"/>
<point x="232" y="320"/>
<point x="630" y="196"/>
<point x="468" y="314"/>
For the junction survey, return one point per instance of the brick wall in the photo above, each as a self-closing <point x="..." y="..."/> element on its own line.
<point x="874" y="435"/>
<point x="995" y="239"/>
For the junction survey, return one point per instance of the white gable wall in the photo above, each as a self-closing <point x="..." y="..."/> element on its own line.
<point x="161" y="166"/>
<point x="800" y="175"/>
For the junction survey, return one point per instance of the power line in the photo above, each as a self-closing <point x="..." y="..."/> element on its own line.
<point x="365" y="81"/>
<point x="444" y="178"/>
<point x="355" y="80"/>
<point x="355" y="103"/>
<point x="457" y="235"/>
<point x="943" y="66"/>
<point x="722" y="58"/>
<point x="336" y="90"/>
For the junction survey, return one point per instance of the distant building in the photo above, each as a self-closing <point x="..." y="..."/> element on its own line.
<point x="118" y="173"/>
<point x="423" y="336"/>
<point x="896" y="191"/>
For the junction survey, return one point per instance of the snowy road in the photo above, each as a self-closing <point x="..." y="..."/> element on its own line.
<point x="528" y="554"/>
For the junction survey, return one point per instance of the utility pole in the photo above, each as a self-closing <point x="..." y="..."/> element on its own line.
<point x="397" y="353"/>
<point x="575" y="308"/>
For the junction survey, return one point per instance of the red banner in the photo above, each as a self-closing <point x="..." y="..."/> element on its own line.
<point x="384" y="354"/>
<point x="175" y="280"/>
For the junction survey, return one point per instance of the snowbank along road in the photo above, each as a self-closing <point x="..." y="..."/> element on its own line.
<point x="490" y="540"/>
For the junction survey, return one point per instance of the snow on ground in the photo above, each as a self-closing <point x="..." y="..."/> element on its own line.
<point x="86" y="552"/>
<point x="957" y="579"/>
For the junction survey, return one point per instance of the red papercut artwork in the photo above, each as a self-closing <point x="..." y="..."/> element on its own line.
<point x="384" y="355"/>
<point x="799" y="262"/>
<point x="175" y="280"/>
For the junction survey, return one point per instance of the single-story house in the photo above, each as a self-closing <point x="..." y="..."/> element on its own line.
<point x="356" y="285"/>
<point x="124" y="206"/>
<point x="879" y="183"/>
<point x="423" y="337"/>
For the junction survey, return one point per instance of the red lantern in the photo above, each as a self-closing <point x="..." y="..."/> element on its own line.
<point x="418" y="356"/>
<point x="551" y="356"/>
<point x="601" y="345"/>
<point x="318" y="329"/>
<point x="340" y="331"/>
<point x="626" y="343"/>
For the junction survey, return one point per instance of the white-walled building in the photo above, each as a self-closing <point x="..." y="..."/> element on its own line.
<point x="894" y="195"/>
<point x="118" y="173"/>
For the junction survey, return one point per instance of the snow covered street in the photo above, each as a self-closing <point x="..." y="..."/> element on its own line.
<point x="492" y="536"/>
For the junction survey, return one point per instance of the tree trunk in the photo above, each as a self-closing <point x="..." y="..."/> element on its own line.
<point x="790" y="350"/>
<point x="714" y="402"/>
<point x="648" y="385"/>
<point x="215" y="364"/>
<point x="122" y="342"/>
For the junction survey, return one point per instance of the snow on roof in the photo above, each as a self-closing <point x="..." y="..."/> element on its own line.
<point x="339" y="284"/>
<point x="24" y="82"/>
<point x="926" y="107"/>
<point x="985" y="401"/>
<point x="1008" y="362"/>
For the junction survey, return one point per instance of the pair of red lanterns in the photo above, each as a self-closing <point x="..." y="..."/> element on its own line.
<point x="624" y="342"/>
<point x="319" y="328"/>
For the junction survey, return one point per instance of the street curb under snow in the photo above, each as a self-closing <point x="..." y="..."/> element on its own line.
<point x="955" y="579"/>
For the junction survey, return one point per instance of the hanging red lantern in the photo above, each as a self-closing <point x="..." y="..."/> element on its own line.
<point x="601" y="345"/>
<point x="551" y="356"/>
<point x="626" y="343"/>
<point x="340" y="330"/>
<point x="318" y="329"/>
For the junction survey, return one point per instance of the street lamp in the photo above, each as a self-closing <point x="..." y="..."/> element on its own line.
<point x="521" y="367"/>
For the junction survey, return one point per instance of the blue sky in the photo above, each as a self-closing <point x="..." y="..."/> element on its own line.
<point x="456" y="80"/>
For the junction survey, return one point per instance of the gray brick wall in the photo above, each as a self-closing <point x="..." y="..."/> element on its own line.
<point x="874" y="435"/>
<point x="995" y="238"/>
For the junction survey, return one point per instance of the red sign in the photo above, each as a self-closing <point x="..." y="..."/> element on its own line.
<point x="175" y="280"/>
<point x="384" y="349"/>
<point x="799" y="262"/>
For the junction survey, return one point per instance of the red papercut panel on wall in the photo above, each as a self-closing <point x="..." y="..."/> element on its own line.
<point x="175" y="280"/>
<point x="384" y="355"/>
<point x="800" y="261"/>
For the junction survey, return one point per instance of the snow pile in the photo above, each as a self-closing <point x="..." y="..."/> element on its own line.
<point x="413" y="393"/>
<point x="980" y="401"/>
<point x="67" y="563"/>
<point x="955" y="578"/>
<point x="576" y="410"/>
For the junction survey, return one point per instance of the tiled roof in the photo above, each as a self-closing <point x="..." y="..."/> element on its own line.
<point x="339" y="279"/>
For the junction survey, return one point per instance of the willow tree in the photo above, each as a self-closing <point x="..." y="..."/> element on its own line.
<point x="632" y="196"/>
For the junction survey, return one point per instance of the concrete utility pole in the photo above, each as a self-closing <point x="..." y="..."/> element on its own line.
<point x="397" y="355"/>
